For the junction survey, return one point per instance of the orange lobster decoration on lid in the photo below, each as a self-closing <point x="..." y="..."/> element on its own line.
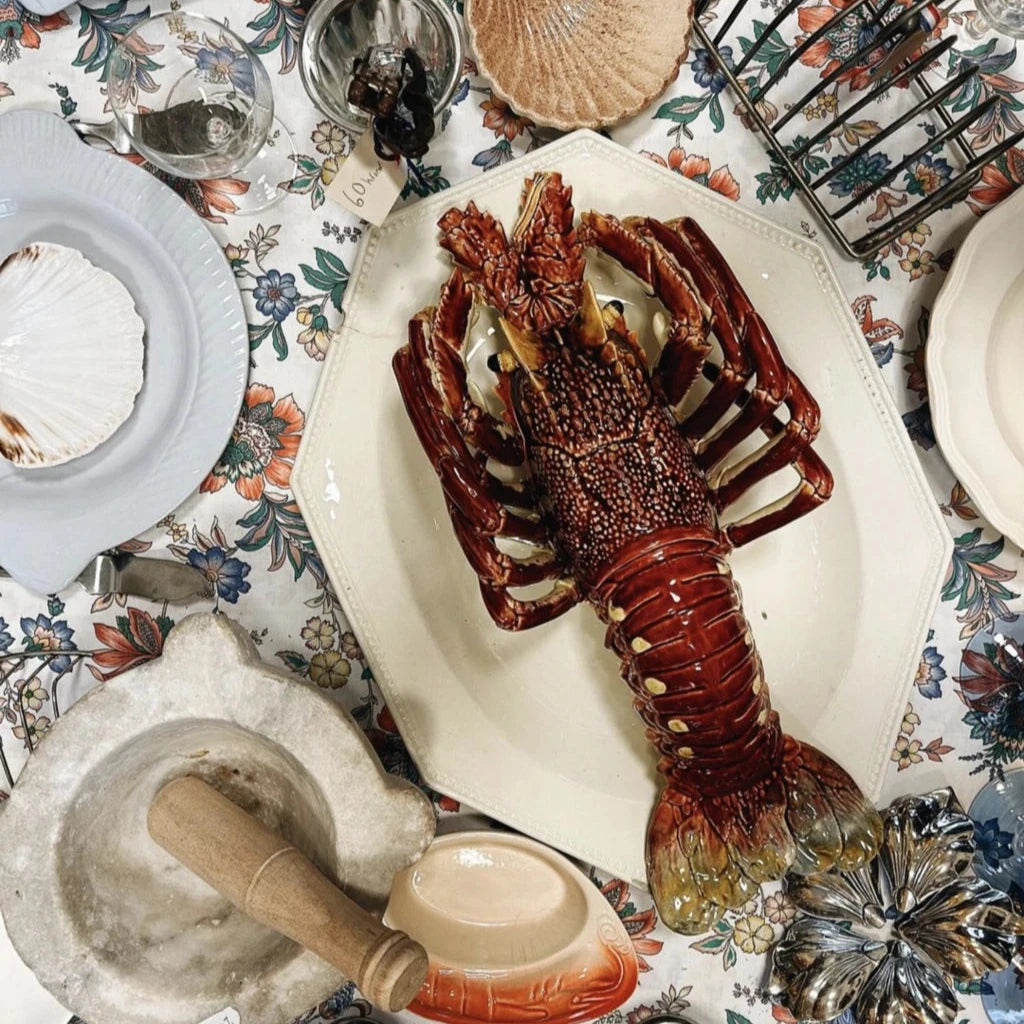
<point x="621" y="495"/>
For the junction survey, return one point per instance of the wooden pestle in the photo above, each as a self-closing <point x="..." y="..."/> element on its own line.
<point x="273" y="882"/>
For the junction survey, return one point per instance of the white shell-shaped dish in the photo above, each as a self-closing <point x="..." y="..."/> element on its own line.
<point x="511" y="926"/>
<point x="537" y="729"/>
<point x="975" y="364"/>
<point x="572" y="65"/>
<point x="71" y="355"/>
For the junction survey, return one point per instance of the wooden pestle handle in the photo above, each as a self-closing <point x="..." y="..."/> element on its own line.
<point x="269" y="879"/>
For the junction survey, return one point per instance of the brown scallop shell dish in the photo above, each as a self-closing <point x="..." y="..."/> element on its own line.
<point x="579" y="65"/>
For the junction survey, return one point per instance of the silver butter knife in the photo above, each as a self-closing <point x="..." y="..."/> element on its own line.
<point x="109" y="132"/>
<point x="156" y="579"/>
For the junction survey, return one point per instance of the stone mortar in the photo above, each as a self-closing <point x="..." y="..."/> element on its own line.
<point x="111" y="924"/>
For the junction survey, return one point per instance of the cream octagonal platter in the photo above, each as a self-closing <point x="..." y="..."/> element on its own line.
<point x="536" y="728"/>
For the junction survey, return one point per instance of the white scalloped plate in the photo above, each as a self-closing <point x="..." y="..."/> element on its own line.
<point x="975" y="366"/>
<point x="536" y="728"/>
<point x="54" y="188"/>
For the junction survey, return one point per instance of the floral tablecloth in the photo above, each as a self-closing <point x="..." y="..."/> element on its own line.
<point x="292" y="263"/>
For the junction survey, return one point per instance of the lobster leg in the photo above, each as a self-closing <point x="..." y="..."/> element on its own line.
<point x="493" y="565"/>
<point x="498" y="571"/>
<point x="464" y="478"/>
<point x="687" y="345"/>
<point x="748" y="347"/>
<point x="476" y="500"/>
<point x="511" y="613"/>
<point x="788" y="444"/>
<point x="441" y="349"/>
<point x="749" y="351"/>
<point x="814" y="488"/>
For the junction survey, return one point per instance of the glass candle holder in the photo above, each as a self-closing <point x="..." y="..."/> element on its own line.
<point x="337" y="33"/>
<point x="1006" y="16"/>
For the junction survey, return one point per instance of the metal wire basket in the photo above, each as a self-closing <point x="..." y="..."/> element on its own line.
<point x="889" y="38"/>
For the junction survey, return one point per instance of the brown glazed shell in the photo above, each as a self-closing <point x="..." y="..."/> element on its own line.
<point x="579" y="63"/>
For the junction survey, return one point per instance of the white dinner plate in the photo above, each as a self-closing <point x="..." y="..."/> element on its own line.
<point x="536" y="728"/>
<point x="54" y="188"/>
<point x="975" y="365"/>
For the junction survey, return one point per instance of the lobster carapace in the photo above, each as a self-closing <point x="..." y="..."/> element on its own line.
<point x="621" y="496"/>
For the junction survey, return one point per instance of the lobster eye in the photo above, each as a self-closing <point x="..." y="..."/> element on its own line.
<point x="617" y="306"/>
<point x="492" y="362"/>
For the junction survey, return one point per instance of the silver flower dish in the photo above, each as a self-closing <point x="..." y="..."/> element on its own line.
<point x="891" y="939"/>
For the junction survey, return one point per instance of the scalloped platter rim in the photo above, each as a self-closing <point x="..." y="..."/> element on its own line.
<point x="974" y="341"/>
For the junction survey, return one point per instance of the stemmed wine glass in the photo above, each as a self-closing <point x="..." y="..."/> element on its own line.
<point x="196" y="101"/>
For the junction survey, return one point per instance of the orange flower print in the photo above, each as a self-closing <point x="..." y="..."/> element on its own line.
<point x="698" y="169"/>
<point x="263" y="445"/>
<point x="843" y="40"/>
<point x="638" y="923"/>
<point x="20" y="27"/>
<point x="503" y="120"/>
<point x="204" y="195"/>
<point x="138" y="638"/>
<point x="998" y="180"/>
<point x="835" y="46"/>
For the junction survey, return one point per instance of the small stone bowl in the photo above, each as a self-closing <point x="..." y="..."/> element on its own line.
<point x="337" y="33"/>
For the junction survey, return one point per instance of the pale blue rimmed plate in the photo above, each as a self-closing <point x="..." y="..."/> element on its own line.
<point x="53" y="188"/>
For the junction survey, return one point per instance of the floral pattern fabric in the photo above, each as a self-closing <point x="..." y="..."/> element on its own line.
<point x="243" y="530"/>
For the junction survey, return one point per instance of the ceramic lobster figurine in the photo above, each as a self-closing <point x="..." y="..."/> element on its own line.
<point x="621" y="495"/>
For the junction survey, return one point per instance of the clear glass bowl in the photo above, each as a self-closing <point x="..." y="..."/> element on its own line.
<point x="339" y="32"/>
<point x="1006" y="16"/>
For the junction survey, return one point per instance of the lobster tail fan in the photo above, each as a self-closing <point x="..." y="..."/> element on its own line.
<point x="832" y="822"/>
<point x="752" y="824"/>
<point x="692" y="879"/>
<point x="706" y="855"/>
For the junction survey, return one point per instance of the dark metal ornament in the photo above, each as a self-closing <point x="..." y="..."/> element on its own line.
<point x="401" y="111"/>
<point x="372" y="89"/>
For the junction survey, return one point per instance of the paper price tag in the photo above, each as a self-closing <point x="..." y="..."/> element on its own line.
<point x="367" y="185"/>
<point x="229" y="1015"/>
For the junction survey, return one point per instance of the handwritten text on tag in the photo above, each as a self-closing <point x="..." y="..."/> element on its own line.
<point x="229" y="1015"/>
<point x="367" y="185"/>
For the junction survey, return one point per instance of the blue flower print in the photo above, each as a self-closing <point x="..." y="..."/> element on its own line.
<point x="860" y="174"/>
<point x="919" y="426"/>
<point x="227" y="573"/>
<point x="706" y="71"/>
<point x="928" y="175"/>
<point x="461" y="93"/>
<point x="488" y="159"/>
<point x="275" y="294"/>
<point x="5" y="637"/>
<point x="225" y="65"/>
<point x="333" y="1007"/>
<point x="43" y="634"/>
<point x="930" y="674"/>
<point x="992" y="842"/>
